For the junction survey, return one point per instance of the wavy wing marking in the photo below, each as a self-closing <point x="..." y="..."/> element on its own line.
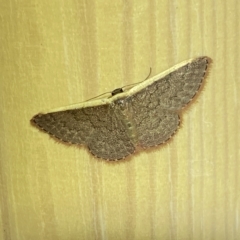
<point x="156" y="107"/>
<point x="97" y="127"/>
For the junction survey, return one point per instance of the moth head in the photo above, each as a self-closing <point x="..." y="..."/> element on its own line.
<point x="117" y="91"/>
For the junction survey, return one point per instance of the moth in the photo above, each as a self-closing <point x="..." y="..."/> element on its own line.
<point x="142" y="116"/>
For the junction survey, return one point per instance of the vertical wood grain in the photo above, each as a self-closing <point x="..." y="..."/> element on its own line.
<point x="55" y="53"/>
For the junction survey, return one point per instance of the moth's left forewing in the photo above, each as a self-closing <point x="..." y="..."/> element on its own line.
<point x="173" y="89"/>
<point x="191" y="62"/>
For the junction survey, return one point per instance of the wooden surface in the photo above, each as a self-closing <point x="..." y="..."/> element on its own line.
<point x="55" y="53"/>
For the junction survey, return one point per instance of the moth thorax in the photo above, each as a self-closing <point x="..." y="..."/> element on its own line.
<point x="121" y="104"/>
<point x="127" y="117"/>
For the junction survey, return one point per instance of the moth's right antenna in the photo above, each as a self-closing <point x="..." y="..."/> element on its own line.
<point x="148" y="74"/>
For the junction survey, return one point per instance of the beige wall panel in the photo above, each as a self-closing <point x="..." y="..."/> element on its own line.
<point x="56" y="53"/>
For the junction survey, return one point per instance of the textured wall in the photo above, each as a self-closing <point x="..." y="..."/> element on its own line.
<point x="55" y="53"/>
